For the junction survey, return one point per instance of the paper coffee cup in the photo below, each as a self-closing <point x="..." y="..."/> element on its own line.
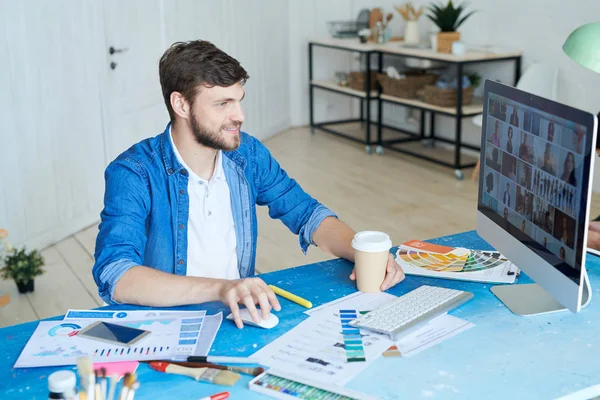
<point x="371" y="249"/>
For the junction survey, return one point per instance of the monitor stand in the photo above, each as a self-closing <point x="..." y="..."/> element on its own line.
<point x="531" y="299"/>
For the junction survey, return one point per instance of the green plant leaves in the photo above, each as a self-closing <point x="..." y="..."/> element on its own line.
<point x="447" y="17"/>
<point x="22" y="266"/>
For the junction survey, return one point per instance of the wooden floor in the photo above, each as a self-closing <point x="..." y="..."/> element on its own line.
<point x="402" y="195"/>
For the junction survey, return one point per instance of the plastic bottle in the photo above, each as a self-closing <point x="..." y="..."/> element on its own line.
<point x="62" y="385"/>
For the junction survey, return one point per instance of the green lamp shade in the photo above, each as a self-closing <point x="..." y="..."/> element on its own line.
<point x="583" y="46"/>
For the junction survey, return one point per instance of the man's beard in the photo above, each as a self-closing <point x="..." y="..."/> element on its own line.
<point x="214" y="140"/>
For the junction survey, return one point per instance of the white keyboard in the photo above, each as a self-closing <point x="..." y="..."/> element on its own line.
<point x="411" y="310"/>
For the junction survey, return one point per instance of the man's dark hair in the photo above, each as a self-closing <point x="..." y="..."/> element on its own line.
<point x="187" y="65"/>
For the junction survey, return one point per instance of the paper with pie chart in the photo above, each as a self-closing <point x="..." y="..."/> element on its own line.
<point x="56" y="343"/>
<point x="426" y="259"/>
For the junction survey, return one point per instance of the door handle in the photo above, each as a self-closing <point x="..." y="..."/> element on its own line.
<point x="112" y="50"/>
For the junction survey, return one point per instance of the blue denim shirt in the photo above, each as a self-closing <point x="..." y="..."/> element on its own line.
<point x="146" y="205"/>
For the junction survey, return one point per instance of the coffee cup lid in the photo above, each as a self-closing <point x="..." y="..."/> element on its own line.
<point x="371" y="241"/>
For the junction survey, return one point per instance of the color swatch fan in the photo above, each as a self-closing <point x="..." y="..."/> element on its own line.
<point x="453" y="261"/>
<point x="426" y="259"/>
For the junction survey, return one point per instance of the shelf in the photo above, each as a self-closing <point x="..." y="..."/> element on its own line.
<point x="345" y="44"/>
<point x="475" y="108"/>
<point x="429" y="54"/>
<point x="331" y="85"/>
<point x="398" y="48"/>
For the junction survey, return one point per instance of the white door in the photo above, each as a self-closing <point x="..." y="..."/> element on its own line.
<point x="51" y="144"/>
<point x="132" y="102"/>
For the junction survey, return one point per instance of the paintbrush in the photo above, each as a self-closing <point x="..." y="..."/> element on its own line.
<point x="98" y="388"/>
<point x="134" y="388"/>
<point x="103" y="382"/>
<point x="210" y="375"/>
<point x="86" y="376"/>
<point x="242" y="370"/>
<point x="113" y="387"/>
<point x="128" y="381"/>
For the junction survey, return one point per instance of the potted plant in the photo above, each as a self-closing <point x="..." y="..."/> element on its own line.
<point x="448" y="18"/>
<point x="23" y="267"/>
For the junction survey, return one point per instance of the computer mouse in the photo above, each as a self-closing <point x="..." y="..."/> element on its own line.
<point x="268" y="323"/>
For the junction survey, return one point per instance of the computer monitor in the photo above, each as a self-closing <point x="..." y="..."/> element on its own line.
<point x="537" y="160"/>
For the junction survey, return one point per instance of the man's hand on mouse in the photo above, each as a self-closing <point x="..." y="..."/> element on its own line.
<point x="393" y="274"/>
<point x="250" y="292"/>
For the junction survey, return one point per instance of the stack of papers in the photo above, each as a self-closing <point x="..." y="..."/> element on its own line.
<point x="426" y="259"/>
<point x="319" y="346"/>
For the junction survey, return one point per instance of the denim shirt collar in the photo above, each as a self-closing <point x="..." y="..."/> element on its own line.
<point x="172" y="164"/>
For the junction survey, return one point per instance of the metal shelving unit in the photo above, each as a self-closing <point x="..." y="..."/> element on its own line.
<point x="365" y="97"/>
<point x="393" y="49"/>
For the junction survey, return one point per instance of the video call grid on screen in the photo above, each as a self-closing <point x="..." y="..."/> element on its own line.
<point x="533" y="164"/>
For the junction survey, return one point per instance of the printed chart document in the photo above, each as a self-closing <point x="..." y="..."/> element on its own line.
<point x="56" y="343"/>
<point x="197" y="333"/>
<point x="318" y="349"/>
<point x="437" y="330"/>
<point x="210" y="327"/>
<point x="436" y="261"/>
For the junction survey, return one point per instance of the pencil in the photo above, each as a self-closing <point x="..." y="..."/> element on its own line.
<point x="291" y="297"/>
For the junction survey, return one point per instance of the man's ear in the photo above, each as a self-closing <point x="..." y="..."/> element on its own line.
<point x="180" y="105"/>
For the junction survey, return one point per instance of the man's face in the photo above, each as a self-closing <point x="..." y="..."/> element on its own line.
<point x="216" y="116"/>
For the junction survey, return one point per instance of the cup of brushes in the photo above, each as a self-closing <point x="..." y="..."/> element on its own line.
<point x="96" y="385"/>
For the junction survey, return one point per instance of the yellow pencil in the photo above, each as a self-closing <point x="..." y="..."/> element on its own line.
<point x="291" y="297"/>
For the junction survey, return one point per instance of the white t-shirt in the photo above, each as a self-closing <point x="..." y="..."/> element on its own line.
<point x="212" y="242"/>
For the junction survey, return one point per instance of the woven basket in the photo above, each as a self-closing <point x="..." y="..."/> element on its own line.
<point x="406" y="87"/>
<point x="446" y="97"/>
<point x="356" y="80"/>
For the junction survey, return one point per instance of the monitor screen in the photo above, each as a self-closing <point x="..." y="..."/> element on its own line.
<point x="535" y="178"/>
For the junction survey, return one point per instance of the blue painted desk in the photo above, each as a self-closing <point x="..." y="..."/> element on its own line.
<point x="503" y="356"/>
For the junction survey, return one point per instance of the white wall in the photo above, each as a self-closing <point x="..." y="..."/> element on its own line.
<point x="55" y="141"/>
<point x="51" y="156"/>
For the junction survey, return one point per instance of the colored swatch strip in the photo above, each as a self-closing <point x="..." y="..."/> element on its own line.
<point x="297" y="389"/>
<point x="353" y="342"/>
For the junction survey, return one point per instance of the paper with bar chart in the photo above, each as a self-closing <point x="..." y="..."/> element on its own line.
<point x="320" y="350"/>
<point x="197" y="333"/>
<point x="56" y="343"/>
